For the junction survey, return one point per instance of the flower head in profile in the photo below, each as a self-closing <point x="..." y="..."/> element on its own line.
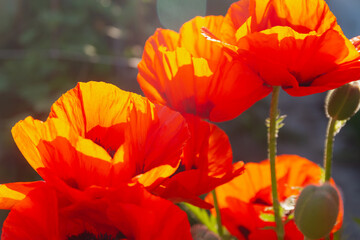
<point x="297" y="45"/>
<point x="246" y="200"/>
<point x="128" y="212"/>
<point x="194" y="76"/>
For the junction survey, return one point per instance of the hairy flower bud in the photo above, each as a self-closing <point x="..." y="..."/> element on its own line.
<point x="316" y="210"/>
<point x="343" y="102"/>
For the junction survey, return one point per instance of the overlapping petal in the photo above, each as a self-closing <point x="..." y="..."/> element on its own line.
<point x="296" y="45"/>
<point x="303" y="16"/>
<point x="33" y="218"/>
<point x="206" y="163"/>
<point x="151" y="211"/>
<point x="12" y="193"/>
<point x="243" y="199"/>
<point x="54" y="147"/>
<point x="125" y="213"/>
<point x="196" y="76"/>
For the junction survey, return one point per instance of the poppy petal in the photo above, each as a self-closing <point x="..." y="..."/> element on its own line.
<point x="299" y="58"/>
<point x="238" y="13"/>
<point x="33" y="218"/>
<point x="151" y="129"/>
<point x="142" y="213"/>
<point x="270" y="13"/>
<point x="207" y="85"/>
<point x="53" y="145"/>
<point x="12" y="193"/>
<point x="191" y="39"/>
<point x="206" y="164"/>
<point x="79" y="104"/>
<point x="156" y="175"/>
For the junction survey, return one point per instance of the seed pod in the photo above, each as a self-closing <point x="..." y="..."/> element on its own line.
<point x="343" y="102"/>
<point x="316" y="210"/>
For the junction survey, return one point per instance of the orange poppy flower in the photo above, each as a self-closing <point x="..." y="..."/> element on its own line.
<point x="124" y="213"/>
<point x="205" y="164"/>
<point x="97" y="134"/>
<point x="195" y="77"/>
<point x="297" y="45"/>
<point x="245" y="198"/>
<point x="192" y="75"/>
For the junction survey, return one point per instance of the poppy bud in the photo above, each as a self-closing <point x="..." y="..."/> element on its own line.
<point x="343" y="102"/>
<point x="316" y="210"/>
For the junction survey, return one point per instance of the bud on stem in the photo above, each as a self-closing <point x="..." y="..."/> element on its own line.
<point x="316" y="210"/>
<point x="343" y="102"/>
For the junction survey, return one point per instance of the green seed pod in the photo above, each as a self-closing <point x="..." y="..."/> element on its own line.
<point x="316" y="210"/>
<point x="343" y="102"/>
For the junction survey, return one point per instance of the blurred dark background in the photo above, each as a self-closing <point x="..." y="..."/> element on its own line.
<point x="47" y="46"/>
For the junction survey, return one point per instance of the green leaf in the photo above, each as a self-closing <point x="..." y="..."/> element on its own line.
<point x="207" y="219"/>
<point x="267" y="217"/>
<point x="203" y="216"/>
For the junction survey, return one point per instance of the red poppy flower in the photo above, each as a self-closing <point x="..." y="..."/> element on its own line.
<point x="205" y="164"/>
<point x="97" y="134"/>
<point x="245" y="198"/>
<point x="192" y="75"/>
<point x="124" y="213"/>
<point x="294" y="44"/>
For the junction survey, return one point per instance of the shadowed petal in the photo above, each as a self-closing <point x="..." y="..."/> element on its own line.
<point x="33" y="218"/>
<point x="53" y="145"/>
<point x="12" y="193"/>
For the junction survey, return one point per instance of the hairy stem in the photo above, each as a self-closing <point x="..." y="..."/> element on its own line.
<point x="272" y="135"/>
<point x="329" y="143"/>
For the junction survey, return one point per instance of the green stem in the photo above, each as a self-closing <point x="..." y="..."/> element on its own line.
<point x="272" y="135"/>
<point x="329" y="143"/>
<point x="218" y="215"/>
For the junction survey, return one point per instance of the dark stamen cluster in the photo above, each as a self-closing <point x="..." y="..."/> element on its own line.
<point x="90" y="236"/>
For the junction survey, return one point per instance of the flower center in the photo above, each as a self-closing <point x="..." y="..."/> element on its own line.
<point x="261" y="201"/>
<point x="110" y="138"/>
<point x="244" y="231"/>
